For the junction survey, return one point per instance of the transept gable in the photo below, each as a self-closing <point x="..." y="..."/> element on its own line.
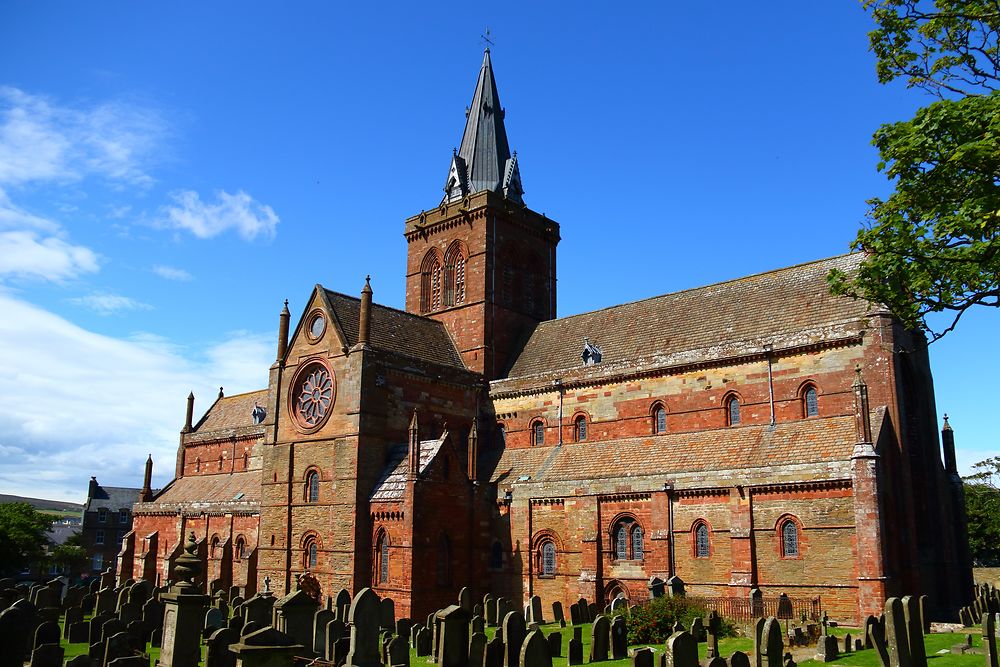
<point x="319" y="329"/>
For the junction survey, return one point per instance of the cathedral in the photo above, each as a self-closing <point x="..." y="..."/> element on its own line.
<point x="753" y="437"/>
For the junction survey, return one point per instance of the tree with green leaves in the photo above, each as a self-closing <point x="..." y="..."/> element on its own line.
<point x="23" y="536"/>
<point x="982" y="506"/>
<point x="933" y="246"/>
<point x="70" y="554"/>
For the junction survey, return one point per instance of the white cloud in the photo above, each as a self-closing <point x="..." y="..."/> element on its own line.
<point x="77" y="403"/>
<point x="43" y="141"/>
<point x="109" y="304"/>
<point x="25" y="254"/>
<point x="239" y="212"/>
<point x="172" y="273"/>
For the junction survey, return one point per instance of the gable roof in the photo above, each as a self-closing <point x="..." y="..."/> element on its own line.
<point x="392" y="484"/>
<point x="111" y="497"/>
<point x="806" y="441"/>
<point x="237" y="489"/>
<point x="396" y="331"/>
<point x="785" y="307"/>
<point x="229" y="412"/>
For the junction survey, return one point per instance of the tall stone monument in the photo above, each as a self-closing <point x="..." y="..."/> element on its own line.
<point x="184" y="607"/>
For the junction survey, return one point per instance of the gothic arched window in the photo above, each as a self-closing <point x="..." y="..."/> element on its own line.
<point x="810" y="402"/>
<point x="454" y="276"/>
<point x="789" y="539"/>
<point x="240" y="551"/>
<point x="659" y="419"/>
<point x="382" y="551"/>
<point x="733" y="411"/>
<point x="311" y="555"/>
<point x="637" y="546"/>
<point x="312" y="487"/>
<point x="621" y="542"/>
<point x="702" y="546"/>
<point x="580" y="428"/>
<point x="430" y="283"/>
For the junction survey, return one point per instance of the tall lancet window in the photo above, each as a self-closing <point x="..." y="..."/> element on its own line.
<point x="454" y="276"/>
<point x="430" y="283"/>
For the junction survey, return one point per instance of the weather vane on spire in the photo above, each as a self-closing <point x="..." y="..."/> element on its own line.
<point x="486" y="39"/>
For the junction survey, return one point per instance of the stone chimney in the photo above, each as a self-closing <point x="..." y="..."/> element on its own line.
<point x="92" y="489"/>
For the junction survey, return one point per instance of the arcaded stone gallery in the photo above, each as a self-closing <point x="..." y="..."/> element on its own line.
<point x="753" y="434"/>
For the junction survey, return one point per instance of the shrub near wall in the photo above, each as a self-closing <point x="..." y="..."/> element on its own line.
<point x="653" y="622"/>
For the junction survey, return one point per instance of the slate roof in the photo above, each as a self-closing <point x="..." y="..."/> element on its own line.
<point x="111" y="497"/>
<point x="196" y="491"/>
<point x="231" y="412"/>
<point x="396" y="331"/>
<point x="732" y="448"/>
<point x="392" y="484"/>
<point x="483" y="161"/>
<point x="785" y="307"/>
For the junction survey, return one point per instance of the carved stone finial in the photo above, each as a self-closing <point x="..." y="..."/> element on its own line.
<point x="188" y="565"/>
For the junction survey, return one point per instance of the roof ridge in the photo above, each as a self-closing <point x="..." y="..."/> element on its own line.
<point x="245" y="393"/>
<point x="382" y="305"/>
<point x="694" y="289"/>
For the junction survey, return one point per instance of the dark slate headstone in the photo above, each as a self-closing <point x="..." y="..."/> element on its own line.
<point x="514" y="633"/>
<point x="619" y="639"/>
<point x="364" y="617"/>
<point x="78" y="633"/>
<point x="574" y="614"/>
<point x="335" y="631"/>
<point x="739" y="659"/>
<point x="848" y="643"/>
<point x="774" y="646"/>
<point x="681" y="650"/>
<point x="130" y="661"/>
<point x="46" y="633"/>
<point x="214" y="620"/>
<point x="320" y="620"/>
<point x="156" y="637"/>
<point x="217" y="653"/>
<point x="493" y="656"/>
<point x="557" y="613"/>
<point x="15" y="628"/>
<point x="47" y="655"/>
<point x="555" y="644"/>
<point x="73" y="615"/>
<point x="80" y="661"/>
<point x="600" y="639"/>
<point x="535" y="651"/>
<point x="398" y="652"/>
<point x="477" y="648"/>
<point x="117" y="646"/>
<point x="642" y="657"/>
<point x="111" y="627"/>
<point x="574" y="650"/>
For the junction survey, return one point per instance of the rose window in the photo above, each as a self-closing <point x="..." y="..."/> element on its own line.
<point x="315" y="396"/>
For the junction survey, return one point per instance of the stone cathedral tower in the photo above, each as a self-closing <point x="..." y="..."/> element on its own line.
<point x="482" y="262"/>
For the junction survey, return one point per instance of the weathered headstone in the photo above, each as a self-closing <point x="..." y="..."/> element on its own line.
<point x="293" y="615"/>
<point x="490" y="611"/>
<point x="698" y="630"/>
<point x="454" y="641"/>
<point x="657" y="587"/>
<point x="869" y="622"/>
<point x="535" y="604"/>
<point x="848" y="643"/>
<point x="600" y="639"/>
<point x="535" y="650"/>
<point x="217" y="653"/>
<point x="642" y="657"/>
<point x="771" y="638"/>
<point x="714" y="627"/>
<point x="320" y="620"/>
<point x="78" y="633"/>
<point x="183" y="612"/>
<point x="423" y="644"/>
<point x="493" y="657"/>
<point x="47" y="655"/>
<point x="739" y="659"/>
<point x="343" y="604"/>
<point x="365" y="619"/>
<point x="675" y="587"/>
<point x="990" y="621"/>
<point x="575" y="617"/>
<point x="574" y="650"/>
<point x="388" y="617"/>
<point x="398" y="652"/>
<point x="555" y="644"/>
<point x="897" y="641"/>
<point x="478" y="624"/>
<point x="826" y="648"/>
<point x="266" y="647"/>
<point x="619" y="639"/>
<point x="914" y="631"/>
<point x="681" y="651"/>
<point x="477" y="648"/>
<point x="514" y="632"/>
<point x="46" y="633"/>
<point x="465" y="599"/>
<point x="214" y="620"/>
<point x="117" y="646"/>
<point x="73" y="615"/>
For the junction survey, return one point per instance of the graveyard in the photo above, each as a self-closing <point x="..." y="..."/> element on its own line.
<point x="138" y="625"/>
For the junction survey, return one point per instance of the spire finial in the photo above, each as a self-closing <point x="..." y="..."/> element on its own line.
<point x="947" y="426"/>
<point x="487" y="40"/>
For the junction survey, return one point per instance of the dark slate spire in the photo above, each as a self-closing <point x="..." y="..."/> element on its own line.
<point x="484" y="161"/>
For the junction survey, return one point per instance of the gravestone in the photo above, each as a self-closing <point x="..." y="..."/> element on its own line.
<point x="869" y="622"/>
<point x="156" y="637"/>
<point x="600" y="639"/>
<point x="925" y="620"/>
<point x="914" y="631"/>
<point x="574" y="614"/>
<point x="320" y="620"/>
<point x="388" y="614"/>
<point x="477" y="648"/>
<point x="78" y="633"/>
<point x="183" y="612"/>
<point x="675" y="587"/>
<point x="535" y="605"/>
<point x="876" y="635"/>
<point x="493" y="657"/>
<point x="574" y="650"/>
<point x="555" y="644"/>
<point x="698" y="630"/>
<point x="848" y="643"/>
<point x="514" y="633"/>
<point x="403" y="626"/>
<point x="642" y="657"/>
<point x="251" y="627"/>
<point x="490" y="609"/>
<point x="681" y="651"/>
<point x="259" y="609"/>
<point x="423" y="644"/>
<point x="739" y="659"/>
<point x="365" y="618"/>
<point x="343" y="604"/>
<point x="535" y="650"/>
<point x="478" y="624"/>
<point x="557" y="614"/>
<point x="214" y="620"/>
<point x="117" y="646"/>
<point x="679" y="627"/>
<point x="657" y="587"/>
<point x="774" y="647"/>
<point x="398" y="652"/>
<point x="217" y="653"/>
<point x="80" y="661"/>
<point x="73" y="615"/>
<point x="152" y="613"/>
<point x="593" y="611"/>
<point x="334" y="632"/>
<point x="990" y="620"/>
<point x="110" y="627"/>
<point x="897" y="641"/>
<point x="46" y="633"/>
<point x="826" y="648"/>
<point x="714" y="627"/>
<point x="465" y="599"/>
<point x="266" y="647"/>
<point x="293" y="615"/>
<point x="619" y="639"/>
<point x="15" y="627"/>
<point x="454" y="642"/>
<point x="47" y="655"/>
<point x="717" y="661"/>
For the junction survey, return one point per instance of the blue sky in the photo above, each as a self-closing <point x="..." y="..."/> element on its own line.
<point x="169" y="173"/>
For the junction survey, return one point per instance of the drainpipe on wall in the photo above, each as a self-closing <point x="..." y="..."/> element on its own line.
<point x="768" y="349"/>
<point x="672" y="568"/>
<point x="558" y="385"/>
